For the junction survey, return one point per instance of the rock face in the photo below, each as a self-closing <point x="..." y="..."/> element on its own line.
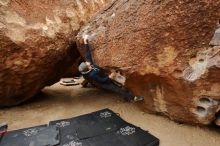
<point x="162" y="49"/>
<point x="38" y="43"/>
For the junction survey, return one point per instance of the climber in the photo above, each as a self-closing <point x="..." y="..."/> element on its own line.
<point x="92" y="72"/>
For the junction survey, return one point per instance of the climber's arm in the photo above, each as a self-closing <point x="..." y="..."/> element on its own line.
<point x="88" y="52"/>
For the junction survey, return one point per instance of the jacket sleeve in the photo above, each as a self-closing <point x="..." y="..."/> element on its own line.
<point x="88" y="54"/>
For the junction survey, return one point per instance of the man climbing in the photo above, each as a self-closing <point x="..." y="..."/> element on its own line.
<point x="91" y="72"/>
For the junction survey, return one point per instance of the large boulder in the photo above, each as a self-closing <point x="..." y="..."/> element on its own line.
<point x="162" y="49"/>
<point x="37" y="41"/>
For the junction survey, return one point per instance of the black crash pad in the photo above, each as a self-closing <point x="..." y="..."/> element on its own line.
<point x="87" y="126"/>
<point x="34" y="136"/>
<point x="126" y="136"/>
<point x="102" y="128"/>
<point x="101" y="122"/>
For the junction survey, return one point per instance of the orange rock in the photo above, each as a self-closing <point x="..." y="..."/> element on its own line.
<point x="37" y="41"/>
<point x="162" y="49"/>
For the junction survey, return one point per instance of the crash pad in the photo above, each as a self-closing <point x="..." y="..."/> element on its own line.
<point x="102" y="128"/>
<point x="35" y="136"/>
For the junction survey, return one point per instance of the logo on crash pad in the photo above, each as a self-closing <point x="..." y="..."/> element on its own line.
<point x="126" y="131"/>
<point x="30" y="132"/>
<point x="73" y="143"/>
<point x="62" y="124"/>
<point x="105" y="114"/>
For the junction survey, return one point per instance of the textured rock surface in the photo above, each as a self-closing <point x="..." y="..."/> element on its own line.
<point x="162" y="48"/>
<point x="37" y="43"/>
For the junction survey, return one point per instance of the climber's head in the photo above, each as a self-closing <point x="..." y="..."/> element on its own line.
<point x="85" y="67"/>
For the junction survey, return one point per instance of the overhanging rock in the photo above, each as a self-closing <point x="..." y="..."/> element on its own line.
<point x="162" y="49"/>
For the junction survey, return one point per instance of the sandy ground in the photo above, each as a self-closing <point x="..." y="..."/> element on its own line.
<point x="58" y="102"/>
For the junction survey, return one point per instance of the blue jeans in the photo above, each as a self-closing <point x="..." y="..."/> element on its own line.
<point x="111" y="86"/>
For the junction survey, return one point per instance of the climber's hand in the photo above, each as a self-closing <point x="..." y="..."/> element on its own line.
<point x="85" y="39"/>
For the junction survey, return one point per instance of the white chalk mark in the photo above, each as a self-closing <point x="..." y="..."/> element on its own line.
<point x="159" y="102"/>
<point x="194" y="72"/>
<point x="201" y="113"/>
<point x="113" y="15"/>
<point x="119" y="78"/>
<point x="91" y="35"/>
<point x="207" y="102"/>
<point x="203" y="62"/>
<point x="205" y="108"/>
